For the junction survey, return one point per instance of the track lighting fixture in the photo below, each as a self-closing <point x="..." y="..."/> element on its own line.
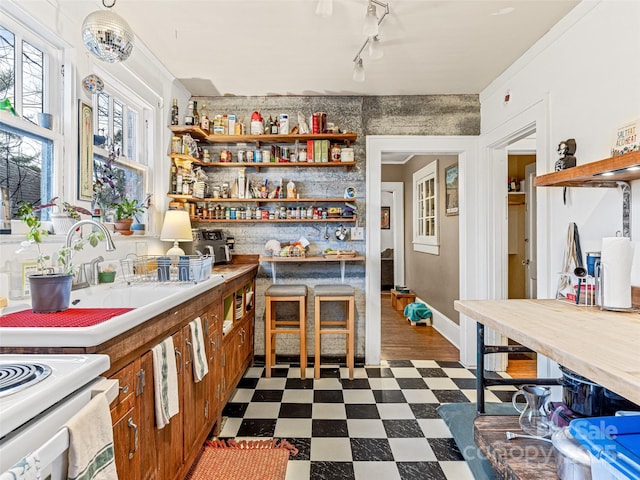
<point x="372" y="41"/>
<point x="324" y="8"/>
<point x="358" y="71"/>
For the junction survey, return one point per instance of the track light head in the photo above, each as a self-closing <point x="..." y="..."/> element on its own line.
<point x="358" y="71"/>
<point x="375" y="49"/>
<point x="370" y="28"/>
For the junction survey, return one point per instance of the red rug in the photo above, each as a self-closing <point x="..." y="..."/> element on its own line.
<point x="243" y="460"/>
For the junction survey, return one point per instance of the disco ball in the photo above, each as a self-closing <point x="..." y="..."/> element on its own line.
<point x="107" y="36"/>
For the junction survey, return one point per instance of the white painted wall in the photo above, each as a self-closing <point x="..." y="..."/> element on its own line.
<point x="586" y="72"/>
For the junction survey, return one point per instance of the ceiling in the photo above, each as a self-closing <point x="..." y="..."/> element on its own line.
<point x="280" y="47"/>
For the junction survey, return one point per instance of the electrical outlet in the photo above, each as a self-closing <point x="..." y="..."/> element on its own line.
<point x="357" y="233"/>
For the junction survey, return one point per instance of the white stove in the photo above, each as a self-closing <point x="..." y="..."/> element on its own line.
<point x="51" y="390"/>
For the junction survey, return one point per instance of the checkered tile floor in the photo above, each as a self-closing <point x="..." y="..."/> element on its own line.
<point x="383" y="424"/>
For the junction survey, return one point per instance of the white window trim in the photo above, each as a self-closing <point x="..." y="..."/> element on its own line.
<point x="426" y="243"/>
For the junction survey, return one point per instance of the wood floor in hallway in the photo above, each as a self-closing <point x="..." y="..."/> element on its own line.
<point x="401" y="341"/>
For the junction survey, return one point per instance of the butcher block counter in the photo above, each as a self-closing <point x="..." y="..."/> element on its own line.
<point x="603" y="346"/>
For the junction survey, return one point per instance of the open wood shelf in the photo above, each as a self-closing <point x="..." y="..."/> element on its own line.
<point x="189" y="198"/>
<point x="601" y="173"/>
<point x="275" y="220"/>
<point x="200" y="134"/>
<point x="260" y="165"/>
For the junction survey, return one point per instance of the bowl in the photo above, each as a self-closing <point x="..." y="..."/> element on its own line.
<point x="106" y="277"/>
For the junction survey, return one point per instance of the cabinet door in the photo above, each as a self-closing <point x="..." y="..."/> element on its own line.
<point x="213" y="340"/>
<point x="151" y="439"/>
<point x="194" y="395"/>
<point x="126" y="444"/>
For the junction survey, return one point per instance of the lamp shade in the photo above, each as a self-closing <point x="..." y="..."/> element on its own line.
<point x="176" y="228"/>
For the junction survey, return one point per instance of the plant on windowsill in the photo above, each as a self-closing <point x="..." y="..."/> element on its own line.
<point x="125" y="211"/>
<point x="51" y="286"/>
<point x="65" y="216"/>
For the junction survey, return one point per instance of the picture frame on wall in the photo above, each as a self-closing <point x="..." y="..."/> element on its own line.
<point x="85" y="151"/>
<point x="385" y="218"/>
<point x="451" y="189"/>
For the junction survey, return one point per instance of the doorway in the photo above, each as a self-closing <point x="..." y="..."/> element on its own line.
<point x="392" y="235"/>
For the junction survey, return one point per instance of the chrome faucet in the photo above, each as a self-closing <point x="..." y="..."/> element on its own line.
<point x="110" y="246"/>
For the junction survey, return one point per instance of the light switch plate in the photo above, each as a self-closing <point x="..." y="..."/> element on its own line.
<point x="357" y="233"/>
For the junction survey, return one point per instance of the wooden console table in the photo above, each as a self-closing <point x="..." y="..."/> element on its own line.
<point x="515" y="459"/>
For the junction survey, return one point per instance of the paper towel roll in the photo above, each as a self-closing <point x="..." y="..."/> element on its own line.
<point x="617" y="257"/>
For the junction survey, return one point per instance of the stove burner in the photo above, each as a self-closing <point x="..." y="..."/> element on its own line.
<point x="18" y="376"/>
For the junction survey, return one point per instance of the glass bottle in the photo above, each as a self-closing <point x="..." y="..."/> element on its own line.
<point x="204" y="119"/>
<point x="174" y="113"/>
<point x="188" y="116"/>
<point x="196" y="116"/>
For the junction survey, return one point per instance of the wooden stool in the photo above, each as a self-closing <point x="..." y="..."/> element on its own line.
<point x="335" y="293"/>
<point x="273" y="326"/>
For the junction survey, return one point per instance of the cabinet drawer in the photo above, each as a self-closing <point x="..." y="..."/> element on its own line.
<point x="127" y="378"/>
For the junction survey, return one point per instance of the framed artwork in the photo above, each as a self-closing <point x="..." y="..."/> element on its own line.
<point x="385" y="218"/>
<point x="451" y="189"/>
<point x="85" y="151"/>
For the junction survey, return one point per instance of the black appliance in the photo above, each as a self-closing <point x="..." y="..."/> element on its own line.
<point x="209" y="242"/>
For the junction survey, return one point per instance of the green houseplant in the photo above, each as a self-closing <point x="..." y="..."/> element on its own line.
<point x="51" y="286"/>
<point x="125" y="211"/>
<point x="65" y="216"/>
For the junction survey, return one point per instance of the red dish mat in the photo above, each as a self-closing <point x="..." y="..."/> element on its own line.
<point x="74" y="317"/>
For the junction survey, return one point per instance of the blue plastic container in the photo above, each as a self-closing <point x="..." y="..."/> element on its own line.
<point x="614" y="443"/>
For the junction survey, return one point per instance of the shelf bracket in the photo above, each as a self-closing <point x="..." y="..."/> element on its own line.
<point x="626" y="209"/>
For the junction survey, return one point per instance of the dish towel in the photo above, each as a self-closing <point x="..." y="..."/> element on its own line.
<point x="165" y="382"/>
<point x="26" y="469"/>
<point x="91" y="455"/>
<point x="200" y="367"/>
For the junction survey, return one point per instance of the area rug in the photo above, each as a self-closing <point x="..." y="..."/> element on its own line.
<point x="459" y="418"/>
<point x="242" y="460"/>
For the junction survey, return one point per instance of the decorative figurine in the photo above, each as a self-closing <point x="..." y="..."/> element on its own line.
<point x="566" y="150"/>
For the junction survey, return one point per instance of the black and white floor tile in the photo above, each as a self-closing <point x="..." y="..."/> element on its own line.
<point x="383" y="424"/>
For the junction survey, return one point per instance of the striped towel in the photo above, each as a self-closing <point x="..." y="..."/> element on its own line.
<point x="91" y="455"/>
<point x="200" y="367"/>
<point x="26" y="469"/>
<point x="165" y="382"/>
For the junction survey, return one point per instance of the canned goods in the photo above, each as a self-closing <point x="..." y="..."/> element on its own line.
<point x="302" y="155"/>
<point x="346" y="155"/>
<point x="266" y="155"/>
<point x="176" y="145"/>
<point x="335" y="153"/>
<point x="257" y="156"/>
<point x="249" y="155"/>
<point x="241" y="155"/>
<point x="225" y="156"/>
<point x="284" y="154"/>
<point x="283" y="124"/>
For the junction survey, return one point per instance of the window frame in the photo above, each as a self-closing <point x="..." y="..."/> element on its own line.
<point x="426" y="243"/>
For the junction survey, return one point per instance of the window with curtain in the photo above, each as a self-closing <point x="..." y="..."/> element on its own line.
<point x="425" y="209"/>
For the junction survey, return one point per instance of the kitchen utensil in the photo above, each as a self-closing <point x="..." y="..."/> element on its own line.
<point x="341" y="233"/>
<point x="326" y="232"/>
<point x="581" y="273"/>
<point x="572" y="459"/>
<point x="534" y="416"/>
<point x="512" y="435"/>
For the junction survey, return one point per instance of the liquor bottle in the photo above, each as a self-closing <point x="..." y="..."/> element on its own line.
<point x="204" y="119"/>
<point x="174" y="112"/>
<point x="196" y="116"/>
<point x="188" y="116"/>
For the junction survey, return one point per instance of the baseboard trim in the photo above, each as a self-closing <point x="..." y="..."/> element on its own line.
<point x="444" y="325"/>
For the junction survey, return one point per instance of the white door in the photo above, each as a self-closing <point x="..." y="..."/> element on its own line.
<point x="531" y="289"/>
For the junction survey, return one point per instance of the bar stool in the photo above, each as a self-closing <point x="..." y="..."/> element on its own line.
<point x="335" y="293"/>
<point x="273" y="326"/>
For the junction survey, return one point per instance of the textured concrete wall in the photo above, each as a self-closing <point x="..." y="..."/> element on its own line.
<point x="423" y="115"/>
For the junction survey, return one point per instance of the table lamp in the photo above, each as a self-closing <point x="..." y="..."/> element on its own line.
<point x="176" y="228"/>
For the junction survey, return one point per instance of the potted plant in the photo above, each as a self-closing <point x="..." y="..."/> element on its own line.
<point x="125" y="210"/>
<point x="65" y="216"/>
<point x="51" y="286"/>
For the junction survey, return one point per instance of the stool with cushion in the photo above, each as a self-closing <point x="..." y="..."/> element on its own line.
<point x="327" y="326"/>
<point x="273" y="326"/>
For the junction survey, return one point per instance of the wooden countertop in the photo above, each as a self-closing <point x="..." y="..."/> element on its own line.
<point x="603" y="346"/>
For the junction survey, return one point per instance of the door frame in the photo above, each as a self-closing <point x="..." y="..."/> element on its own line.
<point x="466" y="149"/>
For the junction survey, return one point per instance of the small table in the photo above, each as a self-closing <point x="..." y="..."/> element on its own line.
<point x="401" y="300"/>
<point x="515" y="459"/>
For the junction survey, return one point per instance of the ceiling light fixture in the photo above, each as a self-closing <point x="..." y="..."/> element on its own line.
<point x="358" y="71"/>
<point x="107" y="35"/>
<point x="324" y="8"/>
<point x="375" y="49"/>
<point x="370" y="28"/>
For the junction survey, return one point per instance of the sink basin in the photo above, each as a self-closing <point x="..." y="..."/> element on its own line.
<point x="121" y="295"/>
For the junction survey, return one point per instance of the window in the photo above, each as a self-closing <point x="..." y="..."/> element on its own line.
<point x="119" y="165"/>
<point x="26" y="150"/>
<point x="425" y="209"/>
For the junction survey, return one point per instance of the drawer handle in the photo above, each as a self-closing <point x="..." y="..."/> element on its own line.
<point x="179" y="355"/>
<point x="135" y="438"/>
<point x="190" y="352"/>
<point x="125" y="389"/>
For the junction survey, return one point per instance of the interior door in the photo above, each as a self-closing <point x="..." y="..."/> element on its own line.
<point x="531" y="289"/>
